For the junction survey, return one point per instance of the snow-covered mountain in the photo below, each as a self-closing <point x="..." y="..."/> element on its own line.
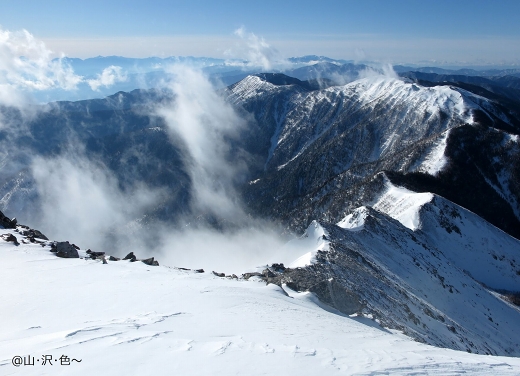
<point x="408" y="193"/>
<point x="326" y="145"/>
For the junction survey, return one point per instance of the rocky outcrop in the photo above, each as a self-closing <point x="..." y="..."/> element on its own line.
<point x="5" y="222"/>
<point x="64" y="250"/>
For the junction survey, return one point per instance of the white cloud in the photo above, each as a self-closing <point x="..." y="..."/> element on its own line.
<point x="108" y="77"/>
<point x="81" y="201"/>
<point x="205" y="123"/>
<point x="27" y="64"/>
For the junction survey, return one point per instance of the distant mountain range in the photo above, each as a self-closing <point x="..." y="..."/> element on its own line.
<point x="152" y="72"/>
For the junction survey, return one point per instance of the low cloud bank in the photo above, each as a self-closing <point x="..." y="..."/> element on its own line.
<point x="81" y="201"/>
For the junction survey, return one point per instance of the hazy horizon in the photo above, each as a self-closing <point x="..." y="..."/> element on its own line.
<point x="443" y="33"/>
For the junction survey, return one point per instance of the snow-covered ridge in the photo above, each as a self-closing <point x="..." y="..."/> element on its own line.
<point x="391" y="113"/>
<point x="253" y="87"/>
<point x="431" y="100"/>
<point x="403" y="205"/>
<point x="488" y="254"/>
<point x="438" y="282"/>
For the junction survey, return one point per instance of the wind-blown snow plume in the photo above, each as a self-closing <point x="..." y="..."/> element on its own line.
<point x="82" y="201"/>
<point x="206" y="124"/>
<point x="258" y="51"/>
<point x="385" y="69"/>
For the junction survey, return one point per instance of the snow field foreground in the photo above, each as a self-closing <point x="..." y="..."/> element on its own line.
<point x="134" y="319"/>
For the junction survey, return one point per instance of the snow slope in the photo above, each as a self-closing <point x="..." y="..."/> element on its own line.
<point x="477" y="247"/>
<point x="130" y="318"/>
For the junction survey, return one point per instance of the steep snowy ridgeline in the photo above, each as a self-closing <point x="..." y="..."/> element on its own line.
<point x="402" y="204"/>
<point x="483" y="251"/>
<point x="379" y="114"/>
<point x="409" y="281"/>
<point x="253" y="87"/>
<point x="130" y="318"/>
<point x="480" y="249"/>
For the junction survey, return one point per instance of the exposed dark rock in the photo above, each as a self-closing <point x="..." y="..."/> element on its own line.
<point x="268" y="274"/>
<point x="219" y="274"/>
<point x="278" y="267"/>
<point x="112" y="258"/>
<point x="6" y="222"/>
<point x="66" y="250"/>
<point x="150" y="261"/>
<point x="337" y="296"/>
<point x="94" y="255"/>
<point x="513" y="298"/>
<point x="10" y="238"/>
<point x="31" y="234"/>
<point x="75" y="246"/>
<point x="253" y="274"/>
<point x="130" y="257"/>
<point x="199" y="271"/>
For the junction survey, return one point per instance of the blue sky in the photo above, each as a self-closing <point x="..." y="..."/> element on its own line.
<point x="456" y="31"/>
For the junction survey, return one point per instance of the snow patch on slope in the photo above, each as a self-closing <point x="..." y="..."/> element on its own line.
<point x="354" y="221"/>
<point x="302" y="251"/>
<point x="402" y="205"/>
<point x="485" y="252"/>
<point x="435" y="160"/>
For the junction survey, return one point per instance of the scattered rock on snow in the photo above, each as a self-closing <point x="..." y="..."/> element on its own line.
<point x="31" y="234"/>
<point x="94" y="255"/>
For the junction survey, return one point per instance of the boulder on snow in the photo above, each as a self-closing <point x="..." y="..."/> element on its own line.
<point x="112" y="258"/>
<point x="66" y="250"/>
<point x="130" y="257"/>
<point x="10" y="238"/>
<point x="150" y="261"/>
